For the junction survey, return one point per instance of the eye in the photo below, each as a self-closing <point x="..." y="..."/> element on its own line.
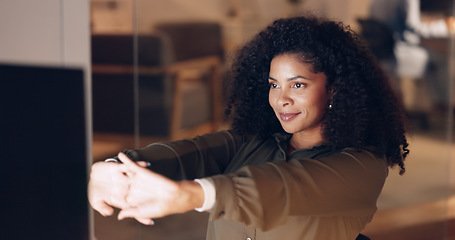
<point x="273" y="85"/>
<point x="299" y="85"/>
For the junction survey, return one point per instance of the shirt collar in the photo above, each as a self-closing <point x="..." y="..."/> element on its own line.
<point x="283" y="140"/>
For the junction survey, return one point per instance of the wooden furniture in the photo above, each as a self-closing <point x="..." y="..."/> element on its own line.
<point x="202" y="71"/>
<point x="164" y="84"/>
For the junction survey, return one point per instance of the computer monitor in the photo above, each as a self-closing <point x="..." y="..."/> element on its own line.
<point x="43" y="153"/>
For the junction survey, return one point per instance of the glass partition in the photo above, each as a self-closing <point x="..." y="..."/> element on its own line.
<point x="167" y="81"/>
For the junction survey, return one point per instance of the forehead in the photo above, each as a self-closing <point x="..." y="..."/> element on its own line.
<point x="291" y="62"/>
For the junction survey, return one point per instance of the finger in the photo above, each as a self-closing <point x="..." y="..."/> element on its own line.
<point x="146" y="221"/>
<point x="128" y="164"/>
<point x="103" y="208"/>
<point x="143" y="164"/>
<point x="130" y="212"/>
<point x="125" y="159"/>
<point x="129" y="168"/>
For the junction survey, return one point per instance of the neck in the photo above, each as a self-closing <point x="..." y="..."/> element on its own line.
<point x="299" y="141"/>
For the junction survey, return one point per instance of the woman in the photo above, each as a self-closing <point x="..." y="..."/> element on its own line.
<point x="315" y="128"/>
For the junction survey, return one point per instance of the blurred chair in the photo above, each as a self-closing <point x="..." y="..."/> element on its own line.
<point x="178" y="91"/>
<point x="192" y="40"/>
<point x="196" y="53"/>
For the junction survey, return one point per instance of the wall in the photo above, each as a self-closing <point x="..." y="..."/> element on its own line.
<point x="119" y="15"/>
<point x="45" y="32"/>
<point x="240" y="19"/>
<point x="48" y="33"/>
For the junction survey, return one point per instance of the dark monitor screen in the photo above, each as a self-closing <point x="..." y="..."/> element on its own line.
<point x="43" y="153"/>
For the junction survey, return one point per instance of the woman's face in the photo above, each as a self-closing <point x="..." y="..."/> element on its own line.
<point x="298" y="96"/>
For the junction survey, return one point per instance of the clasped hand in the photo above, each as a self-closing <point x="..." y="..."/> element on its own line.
<point x="138" y="192"/>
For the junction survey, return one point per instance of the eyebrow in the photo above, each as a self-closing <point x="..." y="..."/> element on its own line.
<point x="292" y="78"/>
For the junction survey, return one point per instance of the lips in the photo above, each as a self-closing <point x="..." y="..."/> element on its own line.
<point x="288" y="116"/>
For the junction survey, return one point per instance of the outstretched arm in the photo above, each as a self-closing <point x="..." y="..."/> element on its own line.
<point x="152" y="195"/>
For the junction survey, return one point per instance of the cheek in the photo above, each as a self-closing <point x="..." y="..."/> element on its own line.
<point x="322" y="104"/>
<point x="318" y="103"/>
<point x="271" y="100"/>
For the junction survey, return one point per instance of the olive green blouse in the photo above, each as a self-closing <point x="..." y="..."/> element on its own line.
<point x="311" y="194"/>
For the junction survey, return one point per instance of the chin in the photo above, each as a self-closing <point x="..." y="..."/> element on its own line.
<point x="290" y="130"/>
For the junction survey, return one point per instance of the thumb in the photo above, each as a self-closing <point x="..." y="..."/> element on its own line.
<point x="103" y="208"/>
<point x="128" y="213"/>
<point x="146" y="221"/>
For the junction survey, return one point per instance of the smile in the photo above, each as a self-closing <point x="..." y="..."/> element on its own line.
<point x="288" y="116"/>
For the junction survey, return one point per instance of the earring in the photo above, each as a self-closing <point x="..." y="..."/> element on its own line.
<point x="330" y="106"/>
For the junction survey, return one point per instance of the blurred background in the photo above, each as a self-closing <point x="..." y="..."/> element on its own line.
<point x="156" y="70"/>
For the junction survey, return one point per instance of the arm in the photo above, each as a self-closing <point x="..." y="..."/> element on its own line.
<point x="185" y="159"/>
<point x="347" y="184"/>
<point x="190" y="158"/>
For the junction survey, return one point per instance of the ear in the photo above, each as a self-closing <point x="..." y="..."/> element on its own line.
<point x="331" y="94"/>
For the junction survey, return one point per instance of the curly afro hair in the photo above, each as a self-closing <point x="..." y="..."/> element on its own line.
<point x="366" y="111"/>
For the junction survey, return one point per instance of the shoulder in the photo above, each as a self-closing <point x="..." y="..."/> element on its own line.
<point x="361" y="153"/>
<point x="328" y="153"/>
<point x="353" y="154"/>
<point x="364" y="160"/>
<point x="347" y="160"/>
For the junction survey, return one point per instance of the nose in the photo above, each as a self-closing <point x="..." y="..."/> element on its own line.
<point x="284" y="99"/>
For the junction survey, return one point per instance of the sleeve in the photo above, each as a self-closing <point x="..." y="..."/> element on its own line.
<point x="209" y="194"/>
<point x="198" y="157"/>
<point x="347" y="184"/>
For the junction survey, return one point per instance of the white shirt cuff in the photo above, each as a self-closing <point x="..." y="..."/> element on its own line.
<point x="209" y="194"/>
